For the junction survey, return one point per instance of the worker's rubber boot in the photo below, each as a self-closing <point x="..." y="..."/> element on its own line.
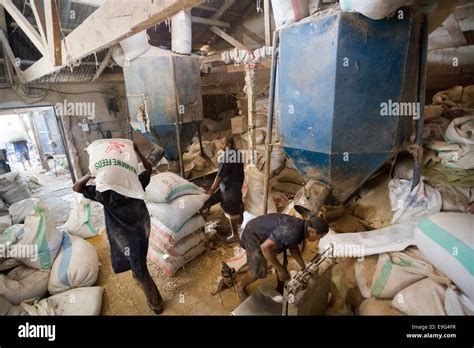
<point x="153" y="296"/>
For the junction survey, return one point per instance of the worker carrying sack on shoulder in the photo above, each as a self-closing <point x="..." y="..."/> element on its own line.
<point x="79" y="222"/>
<point x="114" y="164"/>
<point x="77" y="265"/>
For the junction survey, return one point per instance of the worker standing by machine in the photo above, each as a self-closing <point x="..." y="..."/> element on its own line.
<point x="127" y="225"/>
<point x="268" y="235"/>
<point x="230" y="178"/>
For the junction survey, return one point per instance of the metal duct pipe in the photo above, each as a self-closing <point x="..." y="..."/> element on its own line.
<point x="421" y="97"/>
<point x="271" y="107"/>
<point x="181" y="33"/>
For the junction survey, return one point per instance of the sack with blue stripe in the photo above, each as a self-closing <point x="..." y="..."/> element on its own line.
<point x="37" y="245"/>
<point x="447" y="241"/>
<point x="76" y="265"/>
<point x="79" y="222"/>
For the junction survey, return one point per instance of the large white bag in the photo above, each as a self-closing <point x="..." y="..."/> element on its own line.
<point x="412" y="205"/>
<point x="114" y="164"/>
<point x="446" y="240"/>
<point x="79" y="222"/>
<point x="80" y="301"/>
<point x="77" y="265"/>
<point x="174" y="214"/>
<point x="40" y="241"/>
<point x="391" y="238"/>
<point x="171" y="237"/>
<point x="24" y="283"/>
<point x="21" y="209"/>
<point x="165" y="187"/>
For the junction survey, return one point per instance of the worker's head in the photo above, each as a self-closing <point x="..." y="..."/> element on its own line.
<point x="317" y="228"/>
<point x="227" y="142"/>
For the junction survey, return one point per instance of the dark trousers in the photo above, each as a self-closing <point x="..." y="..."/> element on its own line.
<point x="149" y="288"/>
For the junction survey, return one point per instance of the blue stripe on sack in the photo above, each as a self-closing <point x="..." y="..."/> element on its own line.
<point x="449" y="242"/>
<point x="65" y="260"/>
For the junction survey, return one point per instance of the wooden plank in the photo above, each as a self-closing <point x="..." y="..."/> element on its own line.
<point x="42" y="67"/>
<point x="24" y="25"/>
<point x="38" y="12"/>
<point x="267" y="23"/>
<point x="11" y="56"/>
<point x="228" y="38"/>
<point x="229" y="69"/>
<point x="208" y="21"/>
<point x="213" y="9"/>
<point x="454" y="30"/>
<point x="218" y="14"/>
<point x="107" y="26"/>
<point x="53" y="31"/>
<point x="103" y="64"/>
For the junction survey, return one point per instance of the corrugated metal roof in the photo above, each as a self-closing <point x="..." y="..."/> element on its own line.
<point x="73" y="14"/>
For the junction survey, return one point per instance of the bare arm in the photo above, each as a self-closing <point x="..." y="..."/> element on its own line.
<point x="269" y="249"/>
<point x="81" y="183"/>
<point x="215" y="185"/>
<point x="146" y="164"/>
<point x="295" y="252"/>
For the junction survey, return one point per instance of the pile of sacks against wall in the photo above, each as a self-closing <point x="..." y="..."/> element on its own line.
<point x="429" y="279"/>
<point x="37" y="259"/>
<point x="176" y="235"/>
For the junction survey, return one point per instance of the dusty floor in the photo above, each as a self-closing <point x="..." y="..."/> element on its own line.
<point x="187" y="293"/>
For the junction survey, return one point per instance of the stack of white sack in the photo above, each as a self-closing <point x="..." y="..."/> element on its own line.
<point x="37" y="260"/>
<point x="176" y="235"/>
<point x="433" y="278"/>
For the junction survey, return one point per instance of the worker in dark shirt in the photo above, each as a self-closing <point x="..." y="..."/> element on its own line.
<point x="229" y="179"/>
<point x="127" y="224"/>
<point x="268" y="235"/>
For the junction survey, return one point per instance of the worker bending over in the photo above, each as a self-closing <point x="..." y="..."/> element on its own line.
<point x="127" y="224"/>
<point x="230" y="178"/>
<point x="268" y="235"/>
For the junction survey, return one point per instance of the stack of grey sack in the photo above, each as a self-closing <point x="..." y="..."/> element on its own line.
<point x="176" y="235"/>
<point x="13" y="189"/>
